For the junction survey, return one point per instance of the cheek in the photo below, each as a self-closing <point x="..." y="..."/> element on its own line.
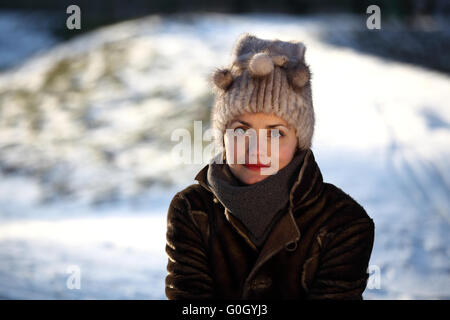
<point x="286" y="151"/>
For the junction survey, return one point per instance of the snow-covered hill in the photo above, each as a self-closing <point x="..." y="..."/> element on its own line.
<point x="86" y="174"/>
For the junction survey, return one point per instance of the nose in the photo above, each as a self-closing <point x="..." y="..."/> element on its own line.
<point x="257" y="151"/>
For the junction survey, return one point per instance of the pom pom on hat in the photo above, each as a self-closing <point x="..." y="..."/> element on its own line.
<point x="280" y="60"/>
<point x="260" y="65"/>
<point x="299" y="75"/>
<point x="222" y="78"/>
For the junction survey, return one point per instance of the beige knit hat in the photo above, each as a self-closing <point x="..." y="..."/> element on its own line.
<point x="268" y="76"/>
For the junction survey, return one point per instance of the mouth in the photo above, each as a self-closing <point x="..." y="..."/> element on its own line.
<point x="255" y="166"/>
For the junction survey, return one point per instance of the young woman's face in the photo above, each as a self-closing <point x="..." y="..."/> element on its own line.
<point x="287" y="145"/>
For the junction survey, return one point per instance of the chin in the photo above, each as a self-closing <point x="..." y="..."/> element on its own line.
<point x="251" y="178"/>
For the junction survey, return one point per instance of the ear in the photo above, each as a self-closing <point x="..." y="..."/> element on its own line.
<point x="221" y="78"/>
<point x="301" y="49"/>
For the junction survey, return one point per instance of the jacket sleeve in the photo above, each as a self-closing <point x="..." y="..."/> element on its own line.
<point x="342" y="268"/>
<point x="189" y="275"/>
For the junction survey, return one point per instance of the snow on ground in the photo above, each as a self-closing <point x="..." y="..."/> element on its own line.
<point x="86" y="174"/>
<point x="119" y="256"/>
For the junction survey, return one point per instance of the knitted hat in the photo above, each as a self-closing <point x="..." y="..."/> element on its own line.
<point x="268" y="76"/>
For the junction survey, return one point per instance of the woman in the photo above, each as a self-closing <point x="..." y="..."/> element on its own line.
<point x="242" y="234"/>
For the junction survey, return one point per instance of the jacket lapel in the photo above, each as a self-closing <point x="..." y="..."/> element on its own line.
<point x="284" y="233"/>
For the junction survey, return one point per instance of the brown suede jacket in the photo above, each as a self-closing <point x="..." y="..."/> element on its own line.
<point x="319" y="249"/>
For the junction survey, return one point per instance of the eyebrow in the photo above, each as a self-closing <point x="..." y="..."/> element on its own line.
<point x="270" y="126"/>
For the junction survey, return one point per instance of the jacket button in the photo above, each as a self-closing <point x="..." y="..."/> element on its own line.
<point x="291" y="246"/>
<point x="261" y="283"/>
<point x="215" y="200"/>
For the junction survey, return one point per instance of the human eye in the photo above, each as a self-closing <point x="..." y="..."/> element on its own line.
<point x="276" y="133"/>
<point x="239" y="130"/>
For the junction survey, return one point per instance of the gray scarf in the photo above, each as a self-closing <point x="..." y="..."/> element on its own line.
<point x="256" y="205"/>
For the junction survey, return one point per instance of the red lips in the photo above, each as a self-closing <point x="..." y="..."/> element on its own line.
<point x="256" y="166"/>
